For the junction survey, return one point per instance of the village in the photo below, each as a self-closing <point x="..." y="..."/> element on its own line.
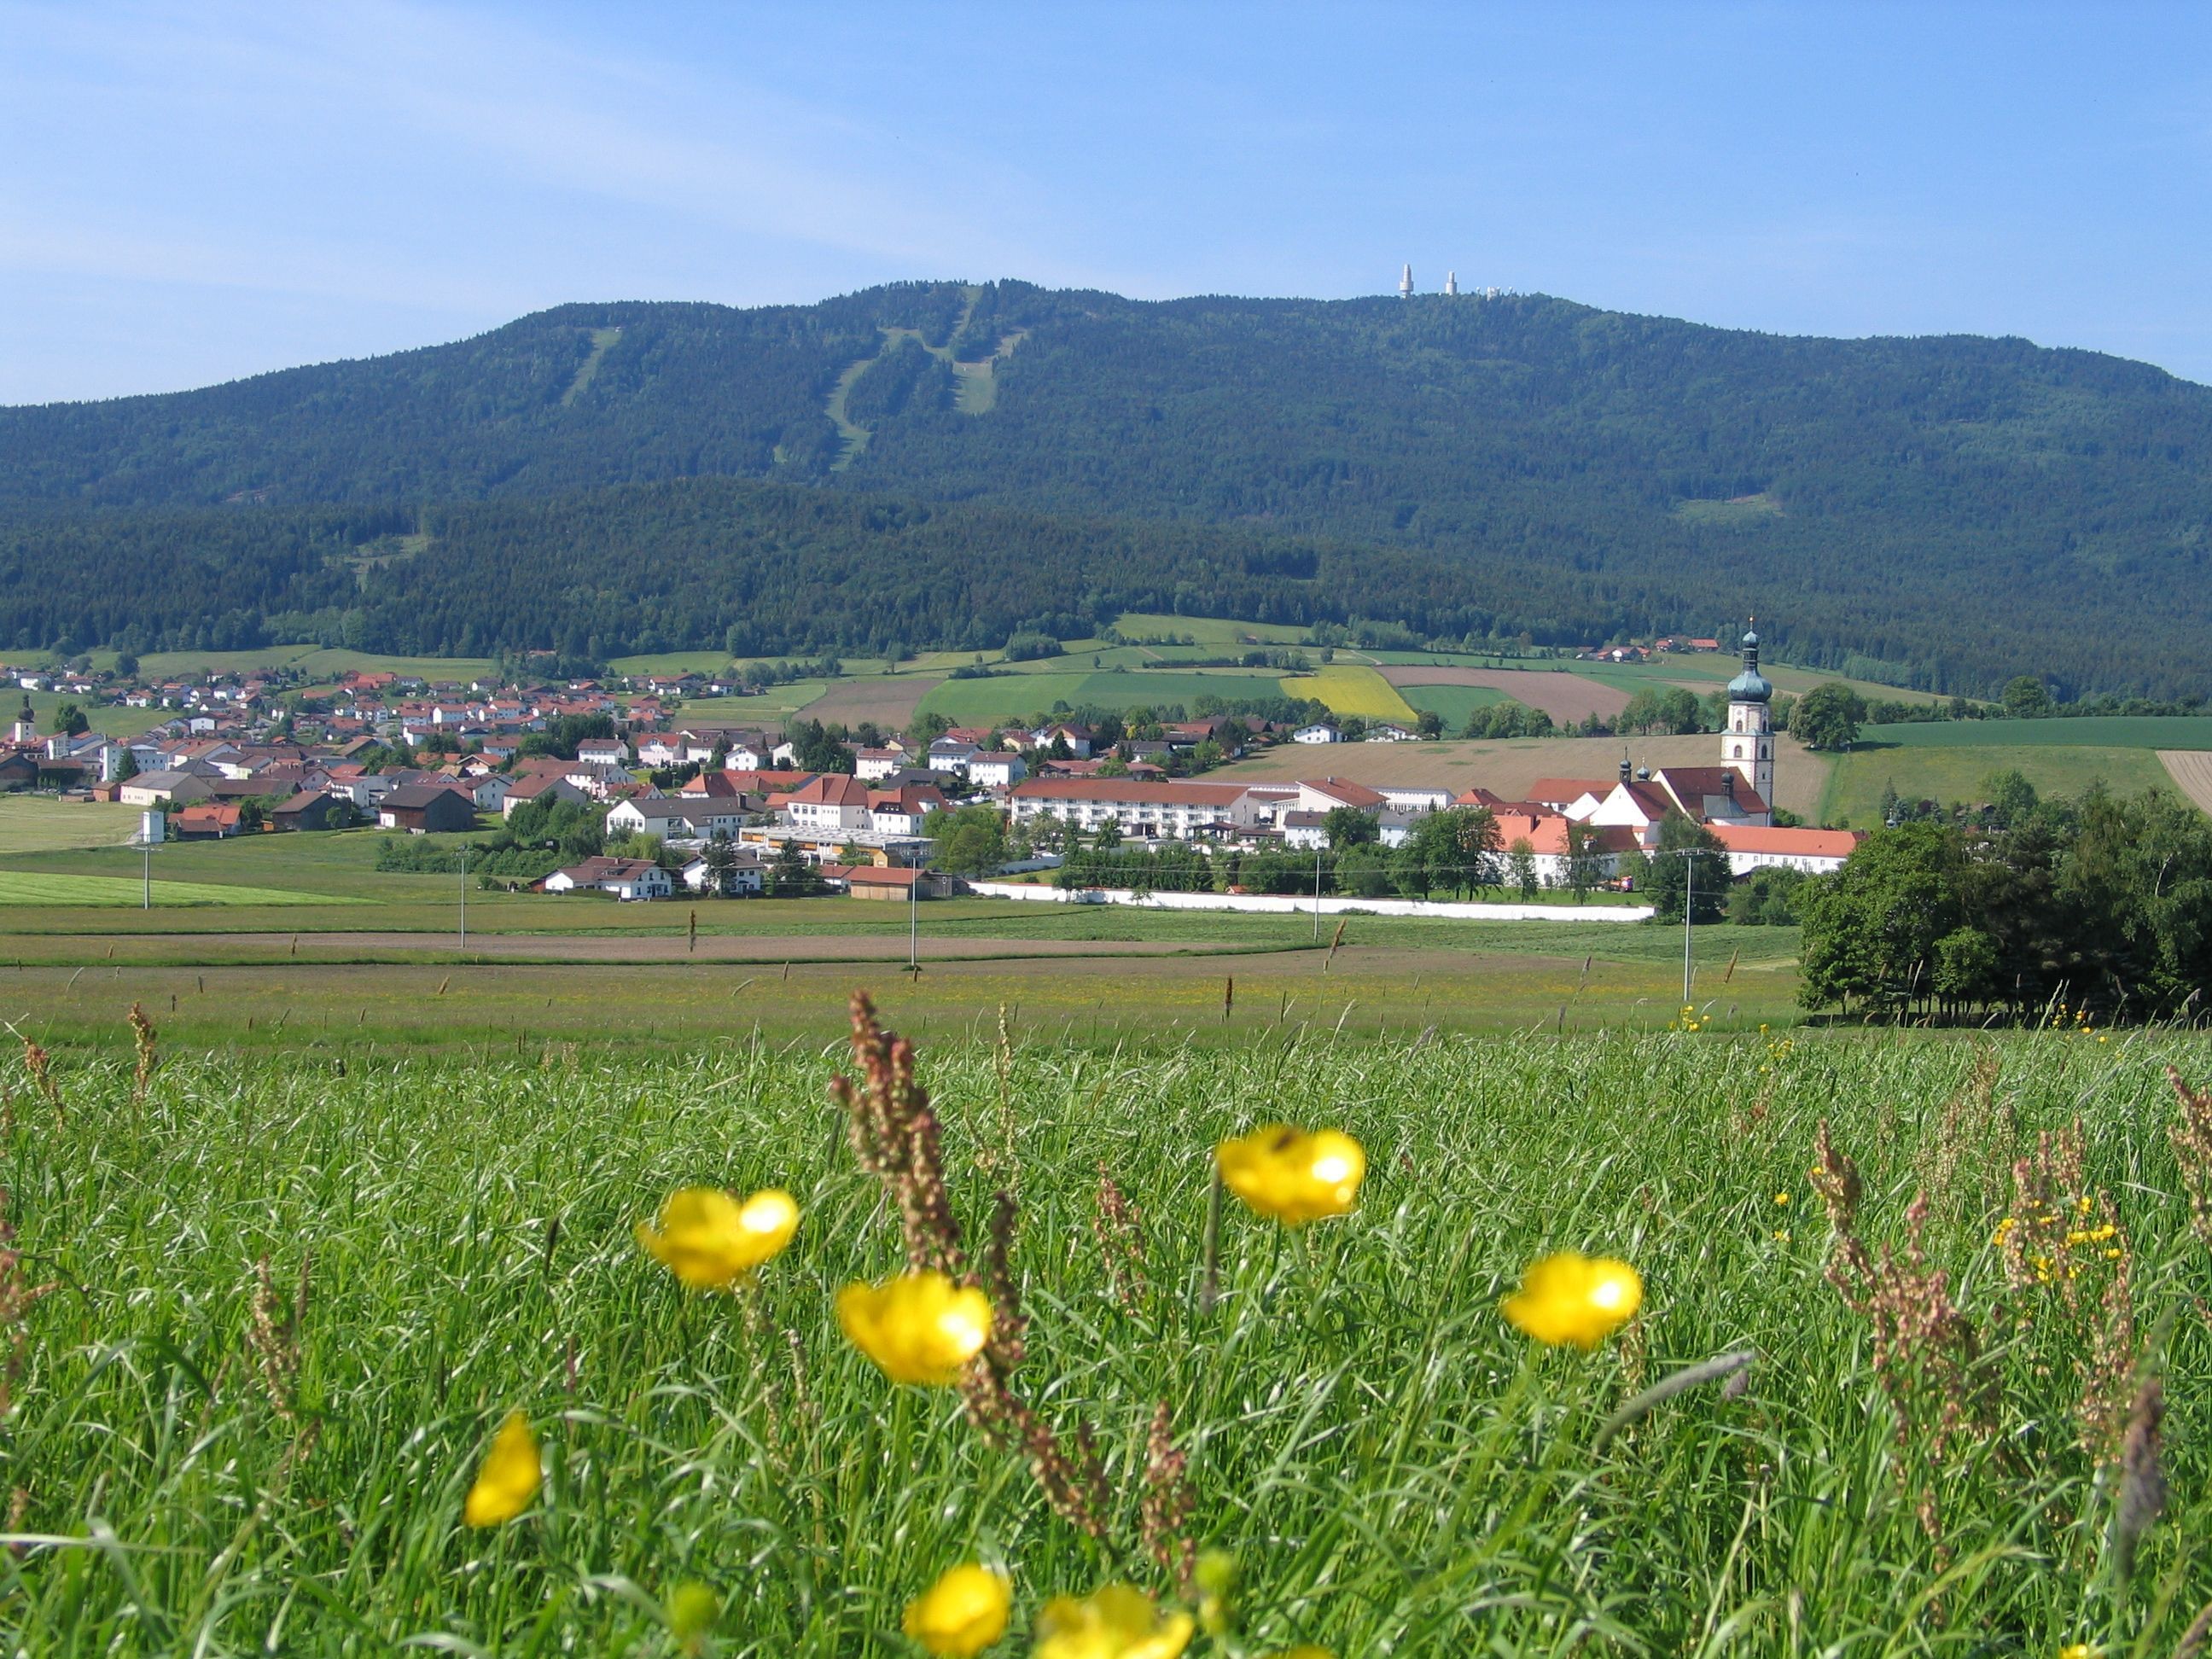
<point x="611" y="788"/>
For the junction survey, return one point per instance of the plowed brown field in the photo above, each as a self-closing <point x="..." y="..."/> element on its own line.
<point x="888" y="702"/>
<point x="1567" y="698"/>
<point x="2191" y="772"/>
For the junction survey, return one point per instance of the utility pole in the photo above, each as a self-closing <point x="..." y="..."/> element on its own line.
<point x="1317" y="892"/>
<point x="146" y="872"/>
<point x="914" y="925"/>
<point x="465" y="896"/>
<point x="1689" y="897"/>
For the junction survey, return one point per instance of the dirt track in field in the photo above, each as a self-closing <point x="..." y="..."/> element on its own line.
<point x="1567" y="698"/>
<point x="2191" y="772"/>
<point x="673" y="947"/>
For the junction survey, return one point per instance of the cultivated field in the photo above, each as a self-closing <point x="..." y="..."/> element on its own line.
<point x="1567" y="698"/>
<point x="889" y="701"/>
<point x="291" y="1301"/>
<point x="2191" y="772"/>
<point x="1511" y="765"/>
<point x="1348" y="689"/>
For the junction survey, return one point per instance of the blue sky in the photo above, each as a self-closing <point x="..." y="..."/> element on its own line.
<point x="198" y="191"/>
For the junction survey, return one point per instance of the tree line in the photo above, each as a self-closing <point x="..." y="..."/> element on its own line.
<point x="2102" y="903"/>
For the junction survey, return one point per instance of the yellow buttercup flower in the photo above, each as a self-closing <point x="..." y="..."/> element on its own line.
<point x="509" y="1477"/>
<point x="963" y="1612"/>
<point x="1117" y="1622"/>
<point x="710" y="1240"/>
<point x="2077" y="1651"/>
<point x="918" y="1328"/>
<point x="1575" y="1299"/>
<point x="1291" y="1176"/>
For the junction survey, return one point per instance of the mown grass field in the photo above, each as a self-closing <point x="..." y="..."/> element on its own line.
<point x="1949" y="771"/>
<point x="2089" y="731"/>
<point x="1394" y="1468"/>
<point x="1017" y="696"/>
<point x="1452" y="703"/>
<point x="40" y="823"/>
<point x="28" y="887"/>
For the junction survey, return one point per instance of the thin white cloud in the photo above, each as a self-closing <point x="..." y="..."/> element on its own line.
<point x="476" y="107"/>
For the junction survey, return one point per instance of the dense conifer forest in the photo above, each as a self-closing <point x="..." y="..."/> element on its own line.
<point x="1946" y="513"/>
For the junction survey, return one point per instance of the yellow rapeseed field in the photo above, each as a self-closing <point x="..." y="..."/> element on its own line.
<point x="1349" y="690"/>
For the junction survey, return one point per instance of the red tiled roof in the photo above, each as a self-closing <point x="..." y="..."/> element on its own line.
<point x="1350" y="793"/>
<point x="831" y="789"/>
<point x="1130" y="789"/>
<point x="1790" y="842"/>
<point x="1688" y="783"/>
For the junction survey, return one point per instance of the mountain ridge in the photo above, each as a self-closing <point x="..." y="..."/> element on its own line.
<point x="1864" y="493"/>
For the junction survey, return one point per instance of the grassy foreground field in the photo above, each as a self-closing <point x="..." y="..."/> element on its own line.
<point x="208" y="1461"/>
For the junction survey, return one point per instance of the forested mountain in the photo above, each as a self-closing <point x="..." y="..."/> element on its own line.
<point x="1947" y="511"/>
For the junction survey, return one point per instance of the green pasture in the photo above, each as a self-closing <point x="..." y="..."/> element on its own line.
<point x="28" y="887"/>
<point x="1712" y="669"/>
<point x="1018" y="695"/>
<point x="316" y="661"/>
<point x="33" y="824"/>
<point x="111" y="719"/>
<point x="1452" y="704"/>
<point x="770" y="707"/>
<point x="1207" y="630"/>
<point x="294" y="1296"/>
<point x="671" y="662"/>
<point x="1948" y="772"/>
<point x="2086" y="731"/>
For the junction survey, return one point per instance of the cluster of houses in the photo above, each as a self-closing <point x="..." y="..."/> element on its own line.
<point x="1624" y="814"/>
<point x="744" y="804"/>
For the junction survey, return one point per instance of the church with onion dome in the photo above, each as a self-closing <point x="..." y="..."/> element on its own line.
<point x="1747" y="743"/>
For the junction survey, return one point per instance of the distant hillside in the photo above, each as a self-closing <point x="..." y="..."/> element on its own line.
<point x="1942" y="511"/>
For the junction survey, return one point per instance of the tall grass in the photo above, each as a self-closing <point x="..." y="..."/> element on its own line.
<point x="1393" y="1467"/>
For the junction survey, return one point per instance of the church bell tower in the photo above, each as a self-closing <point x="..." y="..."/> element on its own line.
<point x="1748" y="744"/>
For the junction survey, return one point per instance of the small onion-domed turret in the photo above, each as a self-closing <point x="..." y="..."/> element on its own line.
<point x="1751" y="685"/>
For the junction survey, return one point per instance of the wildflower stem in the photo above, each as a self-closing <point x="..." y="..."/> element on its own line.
<point x="1681" y="1381"/>
<point x="1209" y="1284"/>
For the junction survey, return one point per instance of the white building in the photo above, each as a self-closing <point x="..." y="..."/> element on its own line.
<point x="1763" y="846"/>
<point x="1319" y="731"/>
<point x="832" y="802"/>
<point x="626" y="878"/>
<point x="1172" y="809"/>
<point x="990" y="770"/>
<point x="746" y="877"/>
<point x="676" y="817"/>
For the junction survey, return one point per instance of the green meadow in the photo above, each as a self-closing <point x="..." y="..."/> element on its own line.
<point x="2086" y="731"/>
<point x="1949" y="771"/>
<point x="1452" y="703"/>
<point x="269" y="1311"/>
